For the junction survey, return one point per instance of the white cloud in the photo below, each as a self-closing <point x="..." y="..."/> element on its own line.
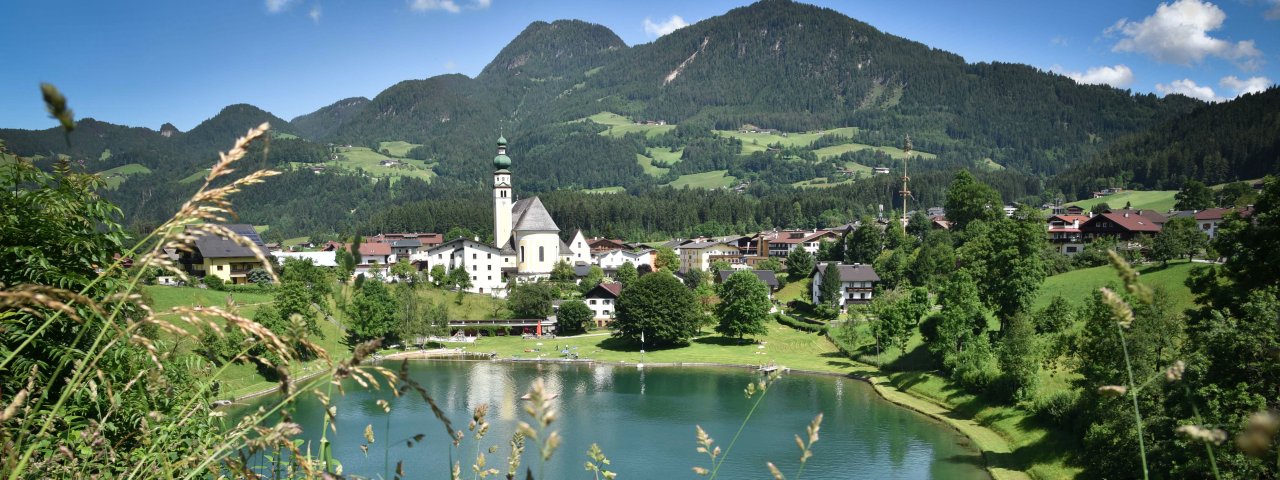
<point x="277" y="6"/>
<point x="1189" y="88"/>
<point x="1119" y="76"/>
<point x="450" y="6"/>
<point x="1179" y="33"/>
<point x="315" y="14"/>
<point x="659" y="29"/>
<point x="1059" y="40"/>
<point x="1236" y="86"/>
<point x="1274" y="12"/>
<point x="1248" y="85"/>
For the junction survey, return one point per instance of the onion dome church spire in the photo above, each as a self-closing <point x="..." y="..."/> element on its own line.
<point x="502" y="161"/>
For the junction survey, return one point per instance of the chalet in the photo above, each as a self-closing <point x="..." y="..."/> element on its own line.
<point x="223" y="257"/>
<point x="766" y="276"/>
<point x="781" y="244"/>
<point x="374" y="258"/>
<point x="603" y="302"/>
<point x="1122" y="224"/>
<point x="1065" y="234"/>
<point x="1208" y="220"/>
<point x="857" y="282"/>
<point x="599" y="244"/>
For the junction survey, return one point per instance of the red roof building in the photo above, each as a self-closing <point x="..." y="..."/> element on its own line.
<point x="1123" y="224"/>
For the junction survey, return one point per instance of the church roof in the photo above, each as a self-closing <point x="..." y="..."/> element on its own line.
<point x="530" y="215"/>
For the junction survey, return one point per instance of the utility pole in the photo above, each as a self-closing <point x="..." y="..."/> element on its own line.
<point x="906" y="153"/>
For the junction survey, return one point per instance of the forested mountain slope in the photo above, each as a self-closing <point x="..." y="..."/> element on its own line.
<point x="1216" y="143"/>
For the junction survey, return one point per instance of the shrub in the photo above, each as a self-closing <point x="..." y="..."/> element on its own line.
<point x="799" y="325"/>
<point x="1060" y="408"/>
<point x="214" y="283"/>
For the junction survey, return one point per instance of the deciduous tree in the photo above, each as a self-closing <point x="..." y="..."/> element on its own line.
<point x="659" y="306"/>
<point x="744" y="305"/>
<point x="574" y="317"/>
<point x="969" y="200"/>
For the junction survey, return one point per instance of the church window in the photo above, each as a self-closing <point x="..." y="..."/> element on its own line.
<point x="522" y="253"/>
<point x="541" y="254"/>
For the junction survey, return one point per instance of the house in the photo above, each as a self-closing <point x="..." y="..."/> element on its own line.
<point x="857" y="282"/>
<point x="613" y="259"/>
<point x="599" y="244"/>
<point x="576" y="250"/>
<point x="374" y="259"/>
<point x="880" y="170"/>
<point x="939" y="222"/>
<point x="1064" y="233"/>
<point x="489" y="267"/>
<point x="766" y="276"/>
<point x="700" y="255"/>
<point x="1122" y="224"/>
<point x="781" y="244"/>
<point x="223" y="257"/>
<point x="603" y="302"/>
<point x="1209" y="219"/>
<point x="406" y="247"/>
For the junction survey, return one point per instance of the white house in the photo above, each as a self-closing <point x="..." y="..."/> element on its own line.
<point x="612" y="259"/>
<point x="603" y="301"/>
<point x="319" y="259"/>
<point x="857" y="282"/>
<point x="484" y="263"/>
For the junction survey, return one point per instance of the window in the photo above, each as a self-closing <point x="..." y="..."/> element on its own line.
<point x="490" y="277"/>
<point x="488" y="255"/>
<point x="593" y="302"/>
<point x="473" y="256"/>
<point x="522" y="254"/>
<point x="541" y="254"/>
<point x="475" y="267"/>
<point x="490" y="268"/>
<point x="608" y="313"/>
<point x="608" y="302"/>
<point x="219" y="268"/>
<point x="1071" y="249"/>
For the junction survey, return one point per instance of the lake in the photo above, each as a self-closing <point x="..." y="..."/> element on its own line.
<point x="644" y="422"/>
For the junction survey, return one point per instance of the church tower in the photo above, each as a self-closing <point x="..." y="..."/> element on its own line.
<point x="501" y="195"/>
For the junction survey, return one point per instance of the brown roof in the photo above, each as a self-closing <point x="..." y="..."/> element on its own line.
<point x="375" y="249"/>
<point x="605" y="290"/>
<point x="852" y="273"/>
<point x="1134" y="220"/>
<point x="1212" y="213"/>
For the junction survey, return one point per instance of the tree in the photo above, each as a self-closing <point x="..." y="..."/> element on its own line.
<point x="574" y="317"/>
<point x="1193" y="196"/>
<point x="259" y="276"/>
<point x="1019" y="357"/>
<point x="439" y="276"/>
<point x="963" y="319"/>
<point x="919" y="225"/>
<point x="659" y="306"/>
<point x="416" y="318"/>
<point x="1004" y="259"/>
<point x="718" y="266"/>
<point x="459" y="278"/>
<point x="895" y="238"/>
<point x="1100" y="207"/>
<point x="371" y="312"/>
<point x="892" y="268"/>
<point x="531" y="300"/>
<point x="1056" y="317"/>
<point x="799" y="264"/>
<point x="831" y="251"/>
<point x="864" y="244"/>
<point x="595" y="275"/>
<point x="1179" y="236"/>
<point x="667" y="259"/>
<point x="969" y="200"/>
<point x="829" y="289"/>
<point x="1235" y="194"/>
<point x="933" y="261"/>
<point x="896" y="312"/>
<point x="562" y="272"/>
<point x="744" y="305"/>
<point x="403" y="270"/>
<point x="695" y="278"/>
<point x="346" y="264"/>
<point x="627" y="274"/>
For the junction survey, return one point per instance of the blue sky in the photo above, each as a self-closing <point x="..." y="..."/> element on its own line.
<point x="143" y="63"/>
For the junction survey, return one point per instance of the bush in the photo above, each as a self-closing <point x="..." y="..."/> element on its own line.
<point x="214" y="283"/>
<point x="799" y="325"/>
<point x="1060" y="408"/>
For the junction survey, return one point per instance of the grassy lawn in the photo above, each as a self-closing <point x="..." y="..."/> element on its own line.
<point x="115" y="176"/>
<point x="195" y="177"/>
<point x="712" y="179"/>
<point x="164" y="298"/>
<point x="1079" y="285"/>
<point x="754" y="142"/>
<point x="823" y="182"/>
<point x="397" y="148"/>
<point x="1158" y="200"/>
<point x="797" y="290"/>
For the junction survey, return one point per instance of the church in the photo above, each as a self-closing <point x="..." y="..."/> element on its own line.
<point x="526" y="245"/>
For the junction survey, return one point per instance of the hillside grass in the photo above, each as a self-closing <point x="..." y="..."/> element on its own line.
<point x="398" y="149"/>
<point x="712" y="179"/>
<point x="605" y="190"/>
<point x="619" y="126"/>
<point x="1158" y="200"/>
<point x="1078" y="285"/>
<point x="823" y="182"/>
<point x="370" y="161"/>
<point x="195" y="177"/>
<point x="892" y="152"/>
<point x="646" y="164"/>
<point x="756" y="142"/>
<point x="115" y="176"/>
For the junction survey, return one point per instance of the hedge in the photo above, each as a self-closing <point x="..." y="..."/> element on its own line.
<point x="799" y="325"/>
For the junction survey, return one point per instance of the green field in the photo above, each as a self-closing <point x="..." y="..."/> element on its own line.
<point x="662" y="154"/>
<point x="823" y="182"/>
<point x="1078" y="285"/>
<point x="115" y="176"/>
<point x="753" y="142"/>
<point x="195" y="177"/>
<point x="620" y="125"/>
<point x="164" y="298"/>
<point x="893" y="152"/>
<point x="991" y="164"/>
<point x="397" y="148"/>
<point x="606" y="190"/>
<point x="370" y="161"/>
<point x="646" y="164"/>
<point x="712" y="179"/>
<point x="1158" y="200"/>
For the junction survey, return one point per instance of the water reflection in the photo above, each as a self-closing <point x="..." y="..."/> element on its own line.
<point x="644" y="421"/>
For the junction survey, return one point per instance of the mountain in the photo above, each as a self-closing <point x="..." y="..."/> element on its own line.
<point x="1216" y="143"/>
<point x="326" y="121"/>
<point x="569" y="95"/>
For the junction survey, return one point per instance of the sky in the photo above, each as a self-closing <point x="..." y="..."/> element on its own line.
<point x="144" y="63"/>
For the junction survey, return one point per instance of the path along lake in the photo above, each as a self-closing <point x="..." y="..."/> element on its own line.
<point x="644" y="422"/>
